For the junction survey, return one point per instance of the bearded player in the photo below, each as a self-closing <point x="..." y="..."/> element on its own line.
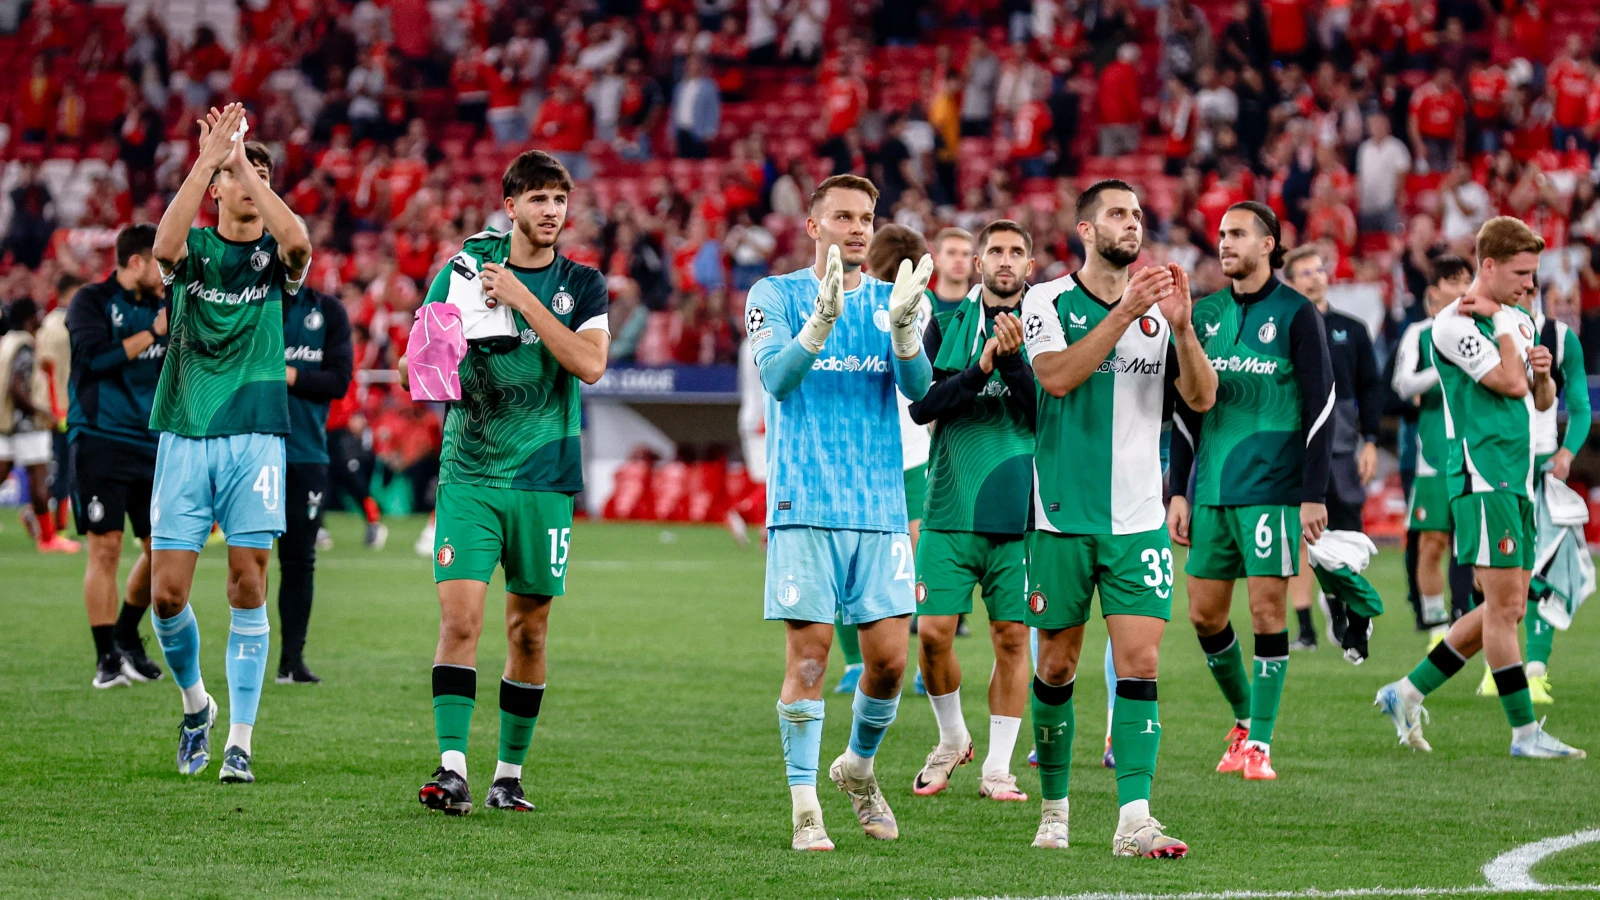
<point x="1261" y="455"/>
<point x="1496" y="379"/>
<point x="508" y="470"/>
<point x="1107" y="349"/>
<point x="832" y="345"/>
<point x="981" y="407"/>
<point x="222" y="410"/>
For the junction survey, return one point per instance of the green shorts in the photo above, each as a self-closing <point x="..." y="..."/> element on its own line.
<point x="1133" y="572"/>
<point x="1229" y="542"/>
<point x="1429" y="509"/>
<point x="528" y="532"/>
<point x="1494" y="530"/>
<point x="951" y="563"/>
<point x="916" y="492"/>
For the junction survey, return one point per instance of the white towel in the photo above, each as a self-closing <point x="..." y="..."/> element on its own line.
<point x="479" y="320"/>
<point x="1342" y="550"/>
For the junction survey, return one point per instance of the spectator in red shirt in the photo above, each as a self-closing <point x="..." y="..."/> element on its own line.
<point x="1286" y="28"/>
<point x="1438" y="121"/>
<point x="845" y="99"/>
<point x="1567" y="82"/>
<point x="1487" y="85"/>
<point x="1028" y="137"/>
<point x="1180" y="118"/>
<point x="36" y="103"/>
<point x="562" y="129"/>
<point x="469" y="79"/>
<point x="1330" y="218"/>
<point x="1120" y="114"/>
<point x="1531" y="31"/>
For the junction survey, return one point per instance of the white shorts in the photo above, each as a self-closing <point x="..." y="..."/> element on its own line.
<point x="28" y="448"/>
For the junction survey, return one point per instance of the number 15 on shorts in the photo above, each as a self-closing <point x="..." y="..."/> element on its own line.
<point x="560" y="543"/>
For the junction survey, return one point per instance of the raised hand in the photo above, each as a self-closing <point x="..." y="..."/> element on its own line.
<point x="216" y="136"/>
<point x="830" y="303"/>
<point x="1007" y="334"/>
<point x="905" y="302"/>
<point x="1177" y="305"/>
<point x="1145" y="288"/>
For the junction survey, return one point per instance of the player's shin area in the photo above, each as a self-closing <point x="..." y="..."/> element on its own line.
<point x="883" y="654"/>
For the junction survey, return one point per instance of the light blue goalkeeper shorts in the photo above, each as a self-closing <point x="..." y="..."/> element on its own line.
<point x="865" y="575"/>
<point x="234" y="481"/>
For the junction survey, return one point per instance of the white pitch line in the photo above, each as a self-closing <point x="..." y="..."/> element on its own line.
<point x="1509" y="872"/>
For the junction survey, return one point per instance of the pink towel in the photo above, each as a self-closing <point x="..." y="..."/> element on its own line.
<point x="435" y="351"/>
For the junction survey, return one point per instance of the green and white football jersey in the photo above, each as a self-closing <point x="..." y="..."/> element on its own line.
<point x="224" y="373"/>
<point x="1416" y="376"/>
<point x="1491" y="434"/>
<point x="1097" y="463"/>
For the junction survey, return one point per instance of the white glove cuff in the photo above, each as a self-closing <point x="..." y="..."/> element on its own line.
<point x="907" y="349"/>
<point x="814" y="333"/>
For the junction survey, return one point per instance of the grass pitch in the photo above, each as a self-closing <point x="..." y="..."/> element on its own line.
<point x="657" y="769"/>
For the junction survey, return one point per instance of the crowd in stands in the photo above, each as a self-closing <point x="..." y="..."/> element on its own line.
<point x="1387" y="130"/>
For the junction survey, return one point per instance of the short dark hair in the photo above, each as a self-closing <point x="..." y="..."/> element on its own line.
<point x="135" y="240"/>
<point x="891" y="244"/>
<point x="1269" y="226"/>
<point x="1089" y="201"/>
<point x="22" y="309"/>
<point x="256" y="154"/>
<point x="534" y="170"/>
<point x="982" y="242"/>
<point x="843" y="183"/>
<point x="1447" y="267"/>
<point x="1304" y="251"/>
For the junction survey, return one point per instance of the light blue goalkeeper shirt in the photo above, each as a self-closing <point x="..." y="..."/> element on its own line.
<point x="833" y="426"/>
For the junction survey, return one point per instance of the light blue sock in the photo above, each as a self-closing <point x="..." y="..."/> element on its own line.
<point x="800" y="724"/>
<point x="249" y="638"/>
<point x="1033" y="648"/>
<point x="872" y="719"/>
<point x="179" y="638"/>
<point x="1111" y="678"/>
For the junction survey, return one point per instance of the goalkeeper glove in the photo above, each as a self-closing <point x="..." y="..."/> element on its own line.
<point x="830" y="302"/>
<point x="905" y="302"/>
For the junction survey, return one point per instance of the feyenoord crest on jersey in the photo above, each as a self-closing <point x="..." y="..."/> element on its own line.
<point x="314" y="320"/>
<point x="259" y="260"/>
<point x="1149" y="326"/>
<point x="561" y="303"/>
<point x="1268" y="332"/>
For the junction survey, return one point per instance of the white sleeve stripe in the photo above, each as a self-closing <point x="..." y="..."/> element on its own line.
<point x="600" y="322"/>
<point x="1177" y="422"/>
<point x="1322" y="418"/>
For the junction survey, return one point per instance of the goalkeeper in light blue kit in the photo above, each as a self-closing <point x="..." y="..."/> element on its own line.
<point x="832" y="344"/>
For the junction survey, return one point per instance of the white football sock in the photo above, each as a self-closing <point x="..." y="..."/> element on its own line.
<point x="194" y="697"/>
<point x="1521" y="731"/>
<point x="952" y="727"/>
<point x="1132" y="815"/>
<point x="455" y="761"/>
<point x="1433" y="607"/>
<point x="1408" y="691"/>
<point x="503" y="769"/>
<point x="1055" y="804"/>
<point x="803" y="799"/>
<point x="1535" y="669"/>
<point x="858" y="767"/>
<point x="239" y="736"/>
<point x="1002" y="743"/>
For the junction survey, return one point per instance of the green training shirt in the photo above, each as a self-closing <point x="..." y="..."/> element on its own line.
<point x="224" y="369"/>
<point x="1491" y="434"/>
<point x="519" y="416"/>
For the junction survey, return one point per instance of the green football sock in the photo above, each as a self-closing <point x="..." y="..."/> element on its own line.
<point x="1135" y="739"/>
<point x="1053" y="728"/>
<point x="1227" y="667"/>
<point x="519" y="712"/>
<point x="1436" y="668"/>
<point x="455" y="690"/>
<point x="1541" y="635"/>
<point x="1266" y="688"/>
<point x="1512" y="683"/>
<point x="849" y="640"/>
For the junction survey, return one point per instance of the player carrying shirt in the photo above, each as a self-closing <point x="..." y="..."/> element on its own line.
<point x="1109" y="351"/>
<point x="832" y="345"/>
<point x="1496" y="379"/>
<point x="222" y="409"/>
<point x="1416" y="379"/>
<point x="981" y="407"/>
<point x="510" y="465"/>
<point x="1261" y="472"/>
